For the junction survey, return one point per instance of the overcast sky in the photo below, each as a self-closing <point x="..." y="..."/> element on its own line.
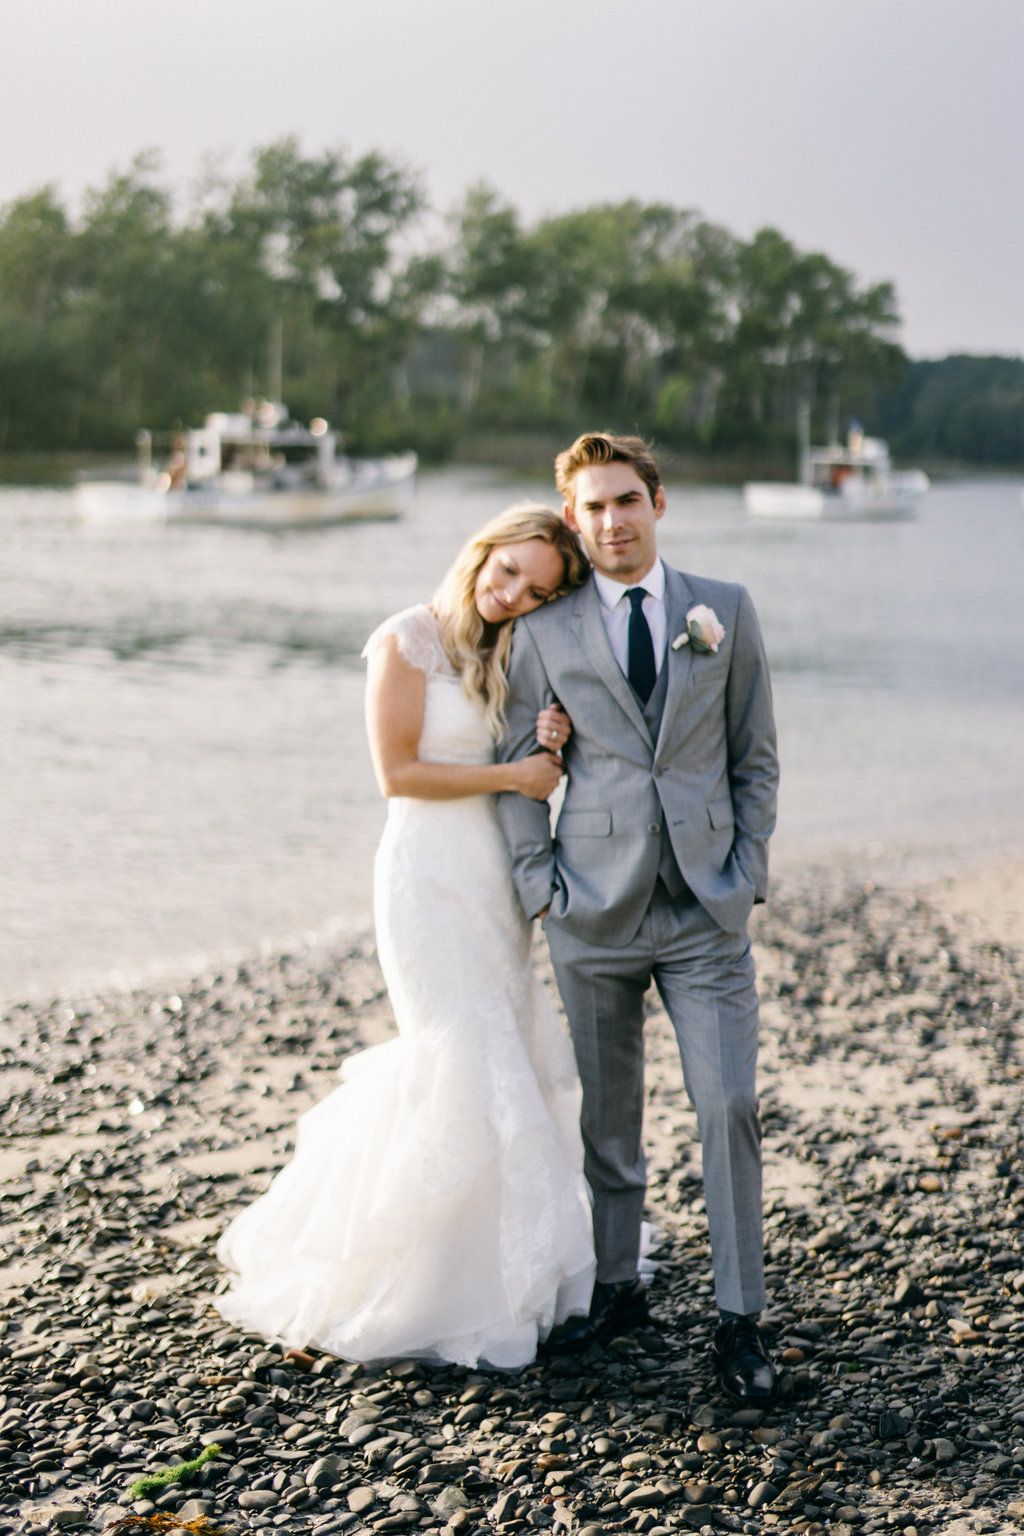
<point x="888" y="133"/>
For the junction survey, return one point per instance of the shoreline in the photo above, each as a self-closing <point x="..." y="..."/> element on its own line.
<point x="892" y="1059"/>
<point x="529" y="452"/>
<point x="984" y="890"/>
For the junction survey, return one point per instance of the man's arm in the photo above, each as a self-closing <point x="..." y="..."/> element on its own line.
<point x="526" y="823"/>
<point x="753" y="761"/>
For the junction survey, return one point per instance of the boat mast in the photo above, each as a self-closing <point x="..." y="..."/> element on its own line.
<point x="276" y="359"/>
<point x="144" y="445"/>
<point x="803" y="440"/>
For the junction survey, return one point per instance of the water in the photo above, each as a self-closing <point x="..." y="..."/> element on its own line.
<point x="182" y="757"/>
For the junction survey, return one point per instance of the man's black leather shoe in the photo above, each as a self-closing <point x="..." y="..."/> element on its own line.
<point x="614" y="1309"/>
<point x="745" y="1373"/>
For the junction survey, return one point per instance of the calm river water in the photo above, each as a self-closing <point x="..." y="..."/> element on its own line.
<point x="182" y="756"/>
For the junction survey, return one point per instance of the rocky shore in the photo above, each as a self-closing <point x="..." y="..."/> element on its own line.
<point x="892" y="1065"/>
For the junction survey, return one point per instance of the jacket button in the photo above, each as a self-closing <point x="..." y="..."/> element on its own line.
<point x="654" y="827"/>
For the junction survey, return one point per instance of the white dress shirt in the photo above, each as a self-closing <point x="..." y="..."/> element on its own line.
<point x="615" y="610"/>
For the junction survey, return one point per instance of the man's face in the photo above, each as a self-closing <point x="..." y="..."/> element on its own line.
<point x="614" y="515"/>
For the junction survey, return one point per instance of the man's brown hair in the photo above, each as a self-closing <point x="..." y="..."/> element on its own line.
<point x="605" y="448"/>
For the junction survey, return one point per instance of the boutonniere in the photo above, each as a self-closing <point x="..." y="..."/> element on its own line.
<point x="704" y="632"/>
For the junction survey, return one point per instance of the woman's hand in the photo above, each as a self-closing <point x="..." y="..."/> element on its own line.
<point x="536" y="776"/>
<point x="553" y="728"/>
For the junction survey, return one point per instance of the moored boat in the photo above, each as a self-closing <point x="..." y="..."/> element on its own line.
<point x="855" y="480"/>
<point x="255" y="468"/>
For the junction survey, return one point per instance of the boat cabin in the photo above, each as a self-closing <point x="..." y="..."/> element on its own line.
<point x="258" y="446"/>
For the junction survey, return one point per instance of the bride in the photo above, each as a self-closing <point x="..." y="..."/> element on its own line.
<point x="435" y="1205"/>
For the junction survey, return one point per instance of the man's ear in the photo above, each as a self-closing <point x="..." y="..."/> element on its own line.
<point x="659" y="502"/>
<point x="569" y="514"/>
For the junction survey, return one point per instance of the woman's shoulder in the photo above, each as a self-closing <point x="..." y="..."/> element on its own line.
<point x="418" y="638"/>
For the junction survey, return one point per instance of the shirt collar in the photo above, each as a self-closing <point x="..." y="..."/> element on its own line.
<point x="612" y="592"/>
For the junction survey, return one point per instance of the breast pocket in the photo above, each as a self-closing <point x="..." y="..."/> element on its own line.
<point x="708" y="672"/>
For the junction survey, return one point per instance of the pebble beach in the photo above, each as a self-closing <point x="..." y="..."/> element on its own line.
<point x="137" y="1122"/>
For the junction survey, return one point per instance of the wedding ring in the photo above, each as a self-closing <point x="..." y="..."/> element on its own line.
<point x="553" y="735"/>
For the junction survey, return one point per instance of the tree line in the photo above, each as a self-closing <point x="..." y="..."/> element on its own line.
<point x="329" y="277"/>
<point x="965" y="409"/>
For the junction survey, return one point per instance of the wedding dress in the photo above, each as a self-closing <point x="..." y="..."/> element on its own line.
<point x="435" y="1205"/>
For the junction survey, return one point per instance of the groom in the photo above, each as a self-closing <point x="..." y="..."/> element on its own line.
<point x="659" y="853"/>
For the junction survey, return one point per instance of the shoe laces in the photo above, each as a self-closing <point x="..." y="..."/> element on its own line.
<point x="742" y="1331"/>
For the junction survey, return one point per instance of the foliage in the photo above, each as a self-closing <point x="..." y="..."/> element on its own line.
<point x="966" y="408"/>
<point x="131" y="316"/>
<point x="318" y="278"/>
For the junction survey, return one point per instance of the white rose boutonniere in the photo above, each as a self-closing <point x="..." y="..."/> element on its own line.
<point x="704" y="631"/>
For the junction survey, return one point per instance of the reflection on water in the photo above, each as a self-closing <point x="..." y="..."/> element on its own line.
<point x="183" y="759"/>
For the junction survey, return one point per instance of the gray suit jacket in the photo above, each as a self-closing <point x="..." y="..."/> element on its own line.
<point x="710" y="777"/>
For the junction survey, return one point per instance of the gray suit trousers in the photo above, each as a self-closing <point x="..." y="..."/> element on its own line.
<point x="705" y="977"/>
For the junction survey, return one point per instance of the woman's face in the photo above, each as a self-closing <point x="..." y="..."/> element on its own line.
<point x="516" y="578"/>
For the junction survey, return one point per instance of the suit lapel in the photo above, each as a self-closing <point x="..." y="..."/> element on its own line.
<point x="678" y="599"/>
<point x="593" y="637"/>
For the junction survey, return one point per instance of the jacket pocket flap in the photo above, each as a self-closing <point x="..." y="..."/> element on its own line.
<point x="720" y="814"/>
<point x="584" y="824"/>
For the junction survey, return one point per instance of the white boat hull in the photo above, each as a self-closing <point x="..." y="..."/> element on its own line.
<point x="896" y="497"/>
<point x="102" y="501"/>
<point x="360" y="489"/>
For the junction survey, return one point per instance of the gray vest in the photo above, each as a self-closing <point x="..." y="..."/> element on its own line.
<point x="668" y="869"/>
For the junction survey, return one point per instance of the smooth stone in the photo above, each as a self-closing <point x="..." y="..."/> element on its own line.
<point x="908" y="1294"/>
<point x="827" y="1239"/>
<point x="892" y="1424"/>
<point x="450" y="1501"/>
<point x="637" y="1461"/>
<point x="643" y="1497"/>
<point x="358" y="1418"/>
<point x="325" y="1472"/>
<point x="364" y="1434"/>
<point x="700" y="1493"/>
<point x="505" y="1507"/>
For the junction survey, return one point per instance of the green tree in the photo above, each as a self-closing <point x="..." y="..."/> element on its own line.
<point x="804" y="331"/>
<point x="634" y="314"/>
<point x="37" y="362"/>
<point x="325" y="229"/>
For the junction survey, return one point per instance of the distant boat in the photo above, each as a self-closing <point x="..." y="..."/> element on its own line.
<point x="255" y="468"/>
<point x="839" y="482"/>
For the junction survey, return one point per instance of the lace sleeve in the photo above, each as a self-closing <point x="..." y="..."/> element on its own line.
<point x="416" y="631"/>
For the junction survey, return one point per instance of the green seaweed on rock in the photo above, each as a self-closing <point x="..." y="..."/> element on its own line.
<point x="156" y="1482"/>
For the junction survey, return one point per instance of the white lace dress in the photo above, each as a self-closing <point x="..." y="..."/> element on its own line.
<point x="435" y="1205"/>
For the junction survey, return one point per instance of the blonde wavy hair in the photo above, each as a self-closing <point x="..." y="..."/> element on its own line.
<point x="478" y="650"/>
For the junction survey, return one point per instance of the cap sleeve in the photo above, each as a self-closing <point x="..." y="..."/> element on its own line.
<point x="419" y="641"/>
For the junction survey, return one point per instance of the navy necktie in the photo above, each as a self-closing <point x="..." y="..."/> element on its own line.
<point x="642" y="671"/>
